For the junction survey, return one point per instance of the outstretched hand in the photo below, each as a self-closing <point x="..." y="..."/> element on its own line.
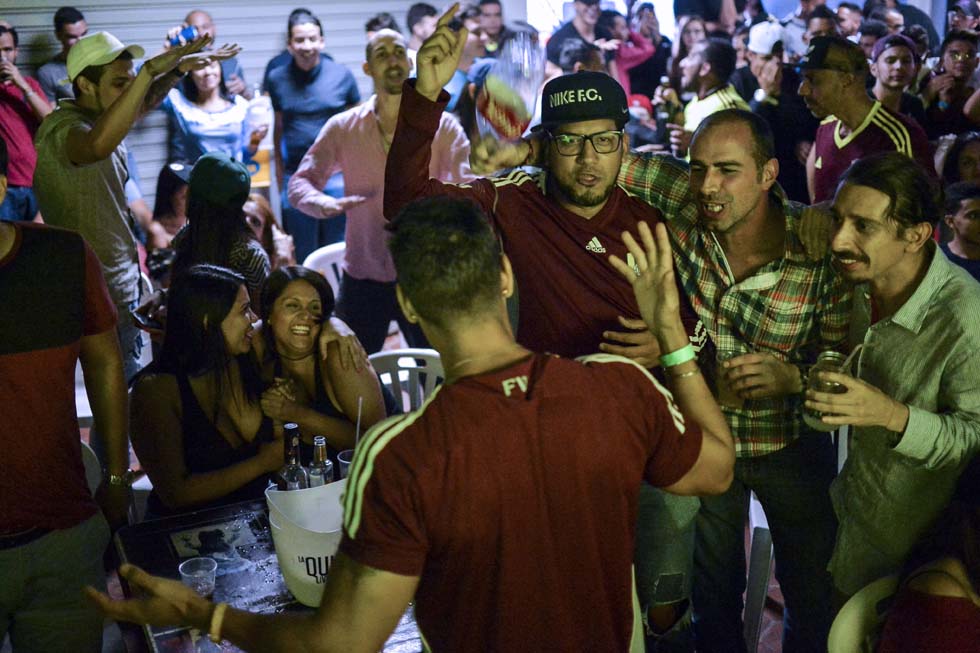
<point x="164" y="602"/>
<point x="201" y="60"/>
<point x="652" y="278"/>
<point x="167" y="61"/>
<point x="438" y="58"/>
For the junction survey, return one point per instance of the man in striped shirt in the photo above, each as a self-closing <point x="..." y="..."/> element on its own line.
<point x="834" y="72"/>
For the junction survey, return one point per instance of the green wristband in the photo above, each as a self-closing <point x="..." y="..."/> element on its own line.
<point x="679" y="357"/>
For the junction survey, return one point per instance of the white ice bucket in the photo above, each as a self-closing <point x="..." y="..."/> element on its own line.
<point x="306" y="528"/>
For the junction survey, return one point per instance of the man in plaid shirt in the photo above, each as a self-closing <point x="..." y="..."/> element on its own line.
<point x="767" y="304"/>
<point x="770" y="307"/>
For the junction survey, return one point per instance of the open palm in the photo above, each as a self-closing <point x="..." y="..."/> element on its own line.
<point x="652" y="277"/>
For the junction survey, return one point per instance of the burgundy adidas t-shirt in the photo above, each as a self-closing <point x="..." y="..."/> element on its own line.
<point x="52" y="293"/>
<point x="882" y="131"/>
<point x="513" y="495"/>
<point x="569" y="293"/>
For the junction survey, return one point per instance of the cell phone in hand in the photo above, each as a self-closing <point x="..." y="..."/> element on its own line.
<point x="145" y="322"/>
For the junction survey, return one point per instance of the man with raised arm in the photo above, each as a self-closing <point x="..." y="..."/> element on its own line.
<point x="549" y="508"/>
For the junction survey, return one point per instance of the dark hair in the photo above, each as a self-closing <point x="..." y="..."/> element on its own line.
<point x="720" y="54"/>
<point x="607" y="20"/>
<point x="94" y="73"/>
<point x="274" y="287"/>
<point x="189" y="88"/>
<point x="951" y="166"/>
<point x="13" y="34"/>
<point x="913" y="198"/>
<point x="824" y="12"/>
<point x="198" y="301"/>
<point x="301" y="18"/>
<point x="872" y="27"/>
<point x="871" y="6"/>
<point x="919" y="36"/>
<point x="575" y="51"/>
<point x="381" y="21"/>
<point x="468" y="12"/>
<point x="488" y="2"/>
<point x="446" y="258"/>
<point x="4" y="157"/>
<point x="763" y="141"/>
<point x="960" y="192"/>
<point x="66" y="16"/>
<point x="850" y="6"/>
<point x="417" y="12"/>
<point x="212" y="231"/>
<point x="957" y="35"/>
<point x="168" y="183"/>
<point x="643" y="6"/>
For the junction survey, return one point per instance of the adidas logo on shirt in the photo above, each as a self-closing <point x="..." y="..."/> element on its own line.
<point x="595" y="246"/>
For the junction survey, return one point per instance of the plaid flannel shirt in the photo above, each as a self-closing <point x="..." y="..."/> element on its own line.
<point x="792" y="307"/>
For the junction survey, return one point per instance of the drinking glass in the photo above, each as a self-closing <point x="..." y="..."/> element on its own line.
<point x="198" y="574"/>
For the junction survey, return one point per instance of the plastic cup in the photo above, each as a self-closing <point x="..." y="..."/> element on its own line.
<point x="344" y="459"/>
<point x="198" y="574"/>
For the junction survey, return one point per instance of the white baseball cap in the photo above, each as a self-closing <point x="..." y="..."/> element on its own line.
<point x="764" y="36"/>
<point x="97" y="49"/>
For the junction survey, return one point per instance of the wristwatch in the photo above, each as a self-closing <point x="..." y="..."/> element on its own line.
<point x="761" y="96"/>
<point x="125" y="479"/>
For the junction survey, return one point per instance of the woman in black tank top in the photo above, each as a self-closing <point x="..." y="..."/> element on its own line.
<point x="196" y="420"/>
<point x="317" y="394"/>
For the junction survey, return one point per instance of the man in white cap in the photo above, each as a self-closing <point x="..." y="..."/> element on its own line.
<point x="769" y="86"/>
<point x="81" y="172"/>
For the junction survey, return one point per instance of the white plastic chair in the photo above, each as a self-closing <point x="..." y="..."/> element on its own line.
<point x="328" y="261"/>
<point x="856" y="626"/>
<point x="760" y="573"/>
<point x="410" y="374"/>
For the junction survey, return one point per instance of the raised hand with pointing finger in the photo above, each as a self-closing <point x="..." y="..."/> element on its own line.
<point x="438" y="58"/>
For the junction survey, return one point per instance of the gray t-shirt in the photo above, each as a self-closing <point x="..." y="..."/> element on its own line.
<point x="53" y="77"/>
<point x="89" y="199"/>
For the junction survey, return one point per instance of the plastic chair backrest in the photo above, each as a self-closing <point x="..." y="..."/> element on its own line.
<point x="410" y="374"/>
<point x="328" y="261"/>
<point x="93" y="468"/>
<point x="857" y="623"/>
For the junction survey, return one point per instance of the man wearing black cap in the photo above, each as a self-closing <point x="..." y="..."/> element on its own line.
<point x="964" y="15"/>
<point x="559" y="227"/>
<point x="834" y="72"/>
<point x="893" y="67"/>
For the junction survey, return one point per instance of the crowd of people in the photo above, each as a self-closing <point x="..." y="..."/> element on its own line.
<point x="696" y="221"/>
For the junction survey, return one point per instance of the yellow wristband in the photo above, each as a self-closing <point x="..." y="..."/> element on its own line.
<point x="218" y="616"/>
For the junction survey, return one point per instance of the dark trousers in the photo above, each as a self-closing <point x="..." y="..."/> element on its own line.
<point x="368" y="307"/>
<point x="792" y="485"/>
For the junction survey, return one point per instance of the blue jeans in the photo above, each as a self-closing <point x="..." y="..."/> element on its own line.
<point x="41" y="601"/>
<point x="664" y="558"/>
<point x="793" y="487"/>
<point x="309" y="233"/>
<point x="20" y="204"/>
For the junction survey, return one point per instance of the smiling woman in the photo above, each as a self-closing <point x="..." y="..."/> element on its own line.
<point x="316" y="393"/>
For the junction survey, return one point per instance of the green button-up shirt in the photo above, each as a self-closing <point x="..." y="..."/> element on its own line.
<point x="927" y="356"/>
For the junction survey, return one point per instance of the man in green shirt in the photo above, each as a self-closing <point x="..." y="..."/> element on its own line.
<point x="914" y="406"/>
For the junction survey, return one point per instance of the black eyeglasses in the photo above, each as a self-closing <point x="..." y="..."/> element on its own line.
<point x="573" y="144"/>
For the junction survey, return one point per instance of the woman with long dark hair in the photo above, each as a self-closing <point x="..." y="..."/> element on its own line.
<point x="216" y="232"/>
<point x="196" y="417"/>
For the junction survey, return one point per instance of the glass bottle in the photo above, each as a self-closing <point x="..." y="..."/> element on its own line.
<point x="292" y="475"/>
<point x="828" y="361"/>
<point x="321" y="469"/>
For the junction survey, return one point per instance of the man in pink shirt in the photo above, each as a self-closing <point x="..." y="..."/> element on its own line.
<point x="356" y="142"/>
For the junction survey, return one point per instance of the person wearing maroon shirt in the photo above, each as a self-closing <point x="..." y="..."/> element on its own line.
<point x="22" y="108"/>
<point x="558" y="227"/>
<point x="505" y="506"/>
<point x="56" y="312"/>
<point x="834" y="73"/>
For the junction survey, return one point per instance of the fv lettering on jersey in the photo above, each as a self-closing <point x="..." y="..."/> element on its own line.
<point x="514" y="382"/>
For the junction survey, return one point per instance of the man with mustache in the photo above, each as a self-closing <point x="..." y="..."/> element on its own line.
<point x="558" y="227"/>
<point x="914" y="408"/>
<point x="356" y="142"/>
<point x="834" y="72"/>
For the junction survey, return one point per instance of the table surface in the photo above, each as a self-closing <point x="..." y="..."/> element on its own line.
<point x="238" y="537"/>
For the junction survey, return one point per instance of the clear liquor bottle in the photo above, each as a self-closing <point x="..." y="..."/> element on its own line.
<point x="321" y="469"/>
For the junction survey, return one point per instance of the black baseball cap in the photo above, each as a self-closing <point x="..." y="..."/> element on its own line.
<point x="581" y="96"/>
<point x="833" y="53"/>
